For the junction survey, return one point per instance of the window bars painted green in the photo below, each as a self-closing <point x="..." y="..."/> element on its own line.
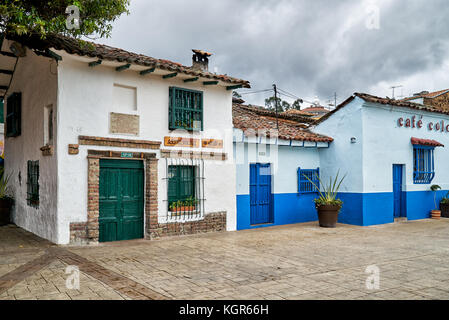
<point x="423" y="164"/>
<point x="185" y="188"/>
<point x="185" y="109"/>
<point x="33" y="184"/>
<point x="304" y="185"/>
<point x="14" y="115"/>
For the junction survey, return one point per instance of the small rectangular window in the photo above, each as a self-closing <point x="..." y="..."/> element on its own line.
<point x="304" y="184"/>
<point x="48" y="125"/>
<point x="33" y="184"/>
<point x="423" y="164"/>
<point x="185" y="109"/>
<point x="14" y="115"/>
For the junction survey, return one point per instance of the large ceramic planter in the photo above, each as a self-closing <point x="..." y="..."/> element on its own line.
<point x="436" y="214"/>
<point x="444" y="210"/>
<point x="328" y="215"/>
<point x="5" y="211"/>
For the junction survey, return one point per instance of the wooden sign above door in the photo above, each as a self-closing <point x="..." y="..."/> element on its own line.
<point x="181" y="142"/>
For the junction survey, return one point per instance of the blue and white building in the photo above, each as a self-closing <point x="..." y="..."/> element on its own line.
<point x="270" y="154"/>
<point x="390" y="151"/>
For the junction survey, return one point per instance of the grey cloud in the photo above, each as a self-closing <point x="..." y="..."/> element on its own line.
<point x="306" y="47"/>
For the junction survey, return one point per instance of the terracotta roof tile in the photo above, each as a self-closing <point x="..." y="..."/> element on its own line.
<point x="429" y="95"/>
<point x="383" y="101"/>
<point x="426" y="142"/>
<point x="104" y="52"/>
<point x="254" y="120"/>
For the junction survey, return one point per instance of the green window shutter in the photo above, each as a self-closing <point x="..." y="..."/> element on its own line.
<point x="181" y="183"/>
<point x="185" y="109"/>
<point x="14" y="115"/>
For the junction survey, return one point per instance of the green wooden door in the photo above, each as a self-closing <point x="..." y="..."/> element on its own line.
<point x="121" y="200"/>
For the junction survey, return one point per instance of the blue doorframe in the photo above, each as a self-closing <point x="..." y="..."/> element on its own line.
<point x="260" y="194"/>
<point x="398" y="195"/>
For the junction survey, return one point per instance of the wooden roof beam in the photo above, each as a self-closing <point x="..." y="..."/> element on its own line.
<point x="147" y="71"/>
<point x="170" y="75"/>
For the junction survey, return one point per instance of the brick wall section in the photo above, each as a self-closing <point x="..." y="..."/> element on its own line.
<point x="85" y="232"/>
<point x="116" y="142"/>
<point x="93" y="195"/>
<point x="212" y="222"/>
<point x="78" y="232"/>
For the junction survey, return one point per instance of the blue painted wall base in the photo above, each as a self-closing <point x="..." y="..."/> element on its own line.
<point x="362" y="209"/>
<point x="288" y="208"/>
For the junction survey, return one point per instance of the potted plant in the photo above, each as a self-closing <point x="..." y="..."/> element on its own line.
<point x="444" y="206"/>
<point x="327" y="205"/>
<point x="6" y="201"/>
<point x="436" y="214"/>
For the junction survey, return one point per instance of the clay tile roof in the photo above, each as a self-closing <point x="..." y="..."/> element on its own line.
<point x="315" y="109"/>
<point x="384" y="101"/>
<point x="254" y="120"/>
<point x="429" y="95"/>
<point x="104" y="52"/>
<point x="297" y="112"/>
<point x="426" y="142"/>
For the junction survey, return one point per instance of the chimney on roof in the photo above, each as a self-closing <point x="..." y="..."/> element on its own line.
<point x="200" y="60"/>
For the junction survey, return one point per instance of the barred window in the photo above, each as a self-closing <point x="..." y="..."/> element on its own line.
<point x="33" y="184"/>
<point x="185" y="109"/>
<point x="185" y="188"/>
<point x="423" y="164"/>
<point x="304" y="184"/>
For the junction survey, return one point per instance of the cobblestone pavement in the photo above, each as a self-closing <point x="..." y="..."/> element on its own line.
<point x="296" y="262"/>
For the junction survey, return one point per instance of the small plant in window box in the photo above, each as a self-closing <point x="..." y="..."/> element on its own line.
<point x="444" y="206"/>
<point x="6" y="201"/>
<point x="327" y="205"/>
<point x="436" y="214"/>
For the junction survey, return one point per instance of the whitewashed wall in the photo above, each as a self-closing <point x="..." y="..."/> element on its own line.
<point x="380" y="144"/>
<point x="36" y="77"/>
<point x="342" y="155"/>
<point x="285" y="161"/>
<point x="86" y="100"/>
<point x="385" y="144"/>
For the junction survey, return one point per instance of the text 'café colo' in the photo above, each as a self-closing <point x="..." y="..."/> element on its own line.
<point x="418" y="122"/>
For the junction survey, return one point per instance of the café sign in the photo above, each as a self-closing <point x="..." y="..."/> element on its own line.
<point x="418" y="123"/>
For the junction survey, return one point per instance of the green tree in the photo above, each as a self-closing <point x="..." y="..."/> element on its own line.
<point x="297" y="104"/>
<point x="282" y="104"/>
<point x="49" y="16"/>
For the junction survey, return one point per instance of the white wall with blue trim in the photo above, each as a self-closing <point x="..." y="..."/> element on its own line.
<point x="288" y="205"/>
<point x="380" y="143"/>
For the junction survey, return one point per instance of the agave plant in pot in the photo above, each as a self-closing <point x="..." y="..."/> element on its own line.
<point x="328" y="205"/>
<point x="6" y="201"/>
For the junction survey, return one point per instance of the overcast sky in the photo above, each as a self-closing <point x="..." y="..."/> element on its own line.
<point x="307" y="47"/>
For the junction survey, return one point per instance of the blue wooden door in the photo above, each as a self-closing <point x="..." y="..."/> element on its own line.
<point x="260" y="193"/>
<point x="397" y="190"/>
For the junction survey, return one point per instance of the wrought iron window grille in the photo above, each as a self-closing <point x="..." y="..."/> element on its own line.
<point x="423" y="164"/>
<point x="304" y="185"/>
<point x="185" y="189"/>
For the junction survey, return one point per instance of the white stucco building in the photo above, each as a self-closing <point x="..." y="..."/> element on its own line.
<point x="104" y="144"/>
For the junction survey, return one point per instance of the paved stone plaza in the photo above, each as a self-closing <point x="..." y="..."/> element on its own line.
<point x="290" y="262"/>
